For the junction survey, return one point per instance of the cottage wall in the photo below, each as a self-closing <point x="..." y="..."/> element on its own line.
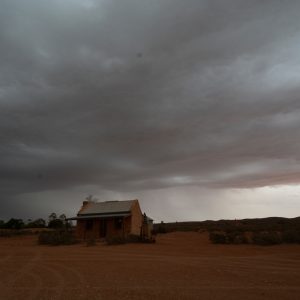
<point x="94" y="232"/>
<point x="136" y="218"/>
<point x="80" y="229"/>
<point x="113" y="231"/>
<point x="131" y="225"/>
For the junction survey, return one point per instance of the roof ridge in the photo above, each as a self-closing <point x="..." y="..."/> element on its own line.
<point x="108" y="207"/>
<point x="112" y="201"/>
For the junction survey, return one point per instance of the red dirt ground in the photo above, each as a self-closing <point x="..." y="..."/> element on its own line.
<point x="178" y="266"/>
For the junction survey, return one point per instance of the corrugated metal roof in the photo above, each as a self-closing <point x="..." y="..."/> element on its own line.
<point x="108" y="207"/>
<point x="99" y="216"/>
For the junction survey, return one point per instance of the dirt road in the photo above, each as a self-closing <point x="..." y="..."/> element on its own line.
<point x="178" y="266"/>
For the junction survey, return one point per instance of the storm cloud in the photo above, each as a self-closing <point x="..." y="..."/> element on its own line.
<point x="138" y="97"/>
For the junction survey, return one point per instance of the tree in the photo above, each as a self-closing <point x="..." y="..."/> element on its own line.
<point x="63" y="217"/>
<point x="38" y="223"/>
<point x="14" y="224"/>
<point x="2" y="224"/>
<point x="52" y="217"/>
<point x="56" y="224"/>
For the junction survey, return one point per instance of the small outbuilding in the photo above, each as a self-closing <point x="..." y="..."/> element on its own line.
<point x="112" y="218"/>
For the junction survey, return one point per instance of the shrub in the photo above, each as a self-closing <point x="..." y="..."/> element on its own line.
<point x="131" y="238"/>
<point x="161" y="228"/>
<point x="218" y="237"/>
<point x="91" y="242"/>
<point x="2" y="224"/>
<point x="14" y="224"/>
<point x="115" y="240"/>
<point x="291" y="236"/>
<point x="14" y="232"/>
<point x="57" y="237"/>
<point x="266" y="238"/>
<point x="38" y="223"/>
<point x="56" y="224"/>
<point x="6" y="233"/>
<point x="151" y="240"/>
<point x="236" y="237"/>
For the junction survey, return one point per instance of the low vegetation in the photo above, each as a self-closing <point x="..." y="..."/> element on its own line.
<point x="15" y="226"/>
<point x="118" y="240"/>
<point x="57" y="237"/>
<point x="265" y="231"/>
<point x="263" y="238"/>
<point x="91" y="242"/>
<point x="15" y="232"/>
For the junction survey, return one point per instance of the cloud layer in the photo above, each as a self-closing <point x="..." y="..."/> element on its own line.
<point x="140" y="95"/>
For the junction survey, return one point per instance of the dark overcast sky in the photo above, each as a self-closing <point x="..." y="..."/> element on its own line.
<point x="191" y="106"/>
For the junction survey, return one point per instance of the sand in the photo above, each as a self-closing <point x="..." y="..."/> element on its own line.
<point x="178" y="266"/>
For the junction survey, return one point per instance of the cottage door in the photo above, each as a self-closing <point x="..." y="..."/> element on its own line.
<point x="103" y="228"/>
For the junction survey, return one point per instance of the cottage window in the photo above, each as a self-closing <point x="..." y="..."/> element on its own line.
<point x="89" y="224"/>
<point x="118" y="223"/>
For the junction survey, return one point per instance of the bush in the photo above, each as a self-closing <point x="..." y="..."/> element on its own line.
<point x="266" y="238"/>
<point x="161" y="228"/>
<point x="291" y="236"/>
<point x="6" y="233"/>
<point x="115" y="240"/>
<point x="131" y="238"/>
<point x="259" y="238"/>
<point x="218" y="237"/>
<point x="236" y="237"/>
<point x="14" y="232"/>
<point x="2" y="224"/>
<point x="56" y="224"/>
<point x="14" y="224"/>
<point x="38" y="223"/>
<point x="91" y="242"/>
<point x="57" y="237"/>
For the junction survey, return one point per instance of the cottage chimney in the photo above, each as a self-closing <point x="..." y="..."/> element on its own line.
<point x="85" y="203"/>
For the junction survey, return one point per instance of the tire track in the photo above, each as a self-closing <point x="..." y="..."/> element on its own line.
<point x="79" y="280"/>
<point x="2" y="262"/>
<point x="25" y="271"/>
<point x="33" y="269"/>
<point x="60" y="281"/>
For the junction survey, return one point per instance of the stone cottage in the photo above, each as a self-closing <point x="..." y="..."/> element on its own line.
<point x="112" y="218"/>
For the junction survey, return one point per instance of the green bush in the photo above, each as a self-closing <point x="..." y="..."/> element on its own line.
<point x="218" y="237"/>
<point x="6" y="233"/>
<point x="38" y="223"/>
<point x="236" y="237"/>
<point x="131" y="238"/>
<point x="91" y="242"/>
<point x="14" y="224"/>
<point x="56" y="224"/>
<point x="291" y="236"/>
<point x="266" y="238"/>
<point x="15" y="232"/>
<point x="115" y="240"/>
<point x="259" y="238"/>
<point x="57" y="237"/>
<point x="161" y="228"/>
<point x="2" y="224"/>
